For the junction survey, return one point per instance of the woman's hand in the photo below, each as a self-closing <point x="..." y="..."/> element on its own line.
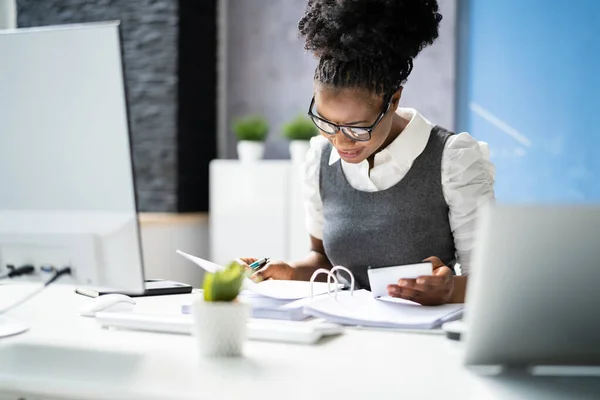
<point x="430" y="290"/>
<point x="277" y="270"/>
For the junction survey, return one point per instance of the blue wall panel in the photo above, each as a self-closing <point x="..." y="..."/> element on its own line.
<point x="532" y="91"/>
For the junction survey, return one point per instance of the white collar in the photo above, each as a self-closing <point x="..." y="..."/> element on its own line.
<point x="406" y="147"/>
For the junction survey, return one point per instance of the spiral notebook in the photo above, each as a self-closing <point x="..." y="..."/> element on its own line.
<point x="362" y="308"/>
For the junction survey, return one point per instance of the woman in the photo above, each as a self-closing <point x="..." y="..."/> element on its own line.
<point x="383" y="186"/>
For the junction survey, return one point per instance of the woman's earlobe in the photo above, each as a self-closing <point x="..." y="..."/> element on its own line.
<point x="395" y="103"/>
<point x="396" y="98"/>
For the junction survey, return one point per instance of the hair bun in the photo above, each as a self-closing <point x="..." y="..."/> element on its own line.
<point x="390" y="31"/>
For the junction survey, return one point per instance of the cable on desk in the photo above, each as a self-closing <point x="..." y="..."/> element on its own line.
<point x="58" y="274"/>
<point x="14" y="272"/>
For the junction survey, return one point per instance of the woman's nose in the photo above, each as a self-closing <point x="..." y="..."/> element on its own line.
<point x="339" y="139"/>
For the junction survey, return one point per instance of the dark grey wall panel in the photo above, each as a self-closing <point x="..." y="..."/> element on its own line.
<point x="197" y="100"/>
<point x="150" y="29"/>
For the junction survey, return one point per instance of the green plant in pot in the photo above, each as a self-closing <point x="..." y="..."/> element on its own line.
<point x="219" y="318"/>
<point x="299" y="131"/>
<point x="251" y="132"/>
<point x="224" y="285"/>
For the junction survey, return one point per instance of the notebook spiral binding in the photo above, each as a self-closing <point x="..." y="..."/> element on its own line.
<point x="331" y="277"/>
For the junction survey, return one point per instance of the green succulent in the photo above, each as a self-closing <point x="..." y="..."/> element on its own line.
<point x="251" y="127"/>
<point x="300" y="128"/>
<point x="224" y="285"/>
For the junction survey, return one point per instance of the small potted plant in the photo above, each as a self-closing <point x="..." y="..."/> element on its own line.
<point x="219" y="318"/>
<point x="299" y="131"/>
<point x="251" y="132"/>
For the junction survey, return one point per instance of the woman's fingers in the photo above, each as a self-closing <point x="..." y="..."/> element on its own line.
<point x="278" y="270"/>
<point x="423" y="283"/>
<point x="427" y="290"/>
<point x="246" y="261"/>
<point x="440" y="277"/>
<point x="435" y="261"/>
<point x="258" y="276"/>
<point x="443" y="271"/>
<point x="426" y="298"/>
<point x="266" y="272"/>
<point x="404" y="292"/>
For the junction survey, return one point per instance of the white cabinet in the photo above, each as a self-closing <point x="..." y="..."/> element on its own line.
<point x="298" y="237"/>
<point x="256" y="210"/>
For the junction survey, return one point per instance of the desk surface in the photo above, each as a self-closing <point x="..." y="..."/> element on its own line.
<point x="67" y="356"/>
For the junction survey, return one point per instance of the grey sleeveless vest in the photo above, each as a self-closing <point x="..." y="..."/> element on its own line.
<point x="400" y="225"/>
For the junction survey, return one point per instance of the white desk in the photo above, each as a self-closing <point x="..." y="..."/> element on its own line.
<point x="86" y="362"/>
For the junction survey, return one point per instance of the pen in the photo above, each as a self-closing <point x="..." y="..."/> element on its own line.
<point x="259" y="263"/>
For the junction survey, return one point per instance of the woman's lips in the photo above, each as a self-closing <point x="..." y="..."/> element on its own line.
<point x="349" y="154"/>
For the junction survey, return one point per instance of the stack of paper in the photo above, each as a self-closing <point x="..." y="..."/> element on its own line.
<point x="272" y="299"/>
<point x="264" y="307"/>
<point x="361" y="308"/>
<point x="267" y="308"/>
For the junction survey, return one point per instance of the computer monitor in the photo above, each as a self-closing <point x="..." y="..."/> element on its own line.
<point x="533" y="297"/>
<point x="67" y="187"/>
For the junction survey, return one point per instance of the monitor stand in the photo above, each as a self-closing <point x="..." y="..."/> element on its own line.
<point x="11" y="327"/>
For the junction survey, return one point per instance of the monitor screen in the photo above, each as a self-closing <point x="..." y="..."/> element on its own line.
<point x="67" y="190"/>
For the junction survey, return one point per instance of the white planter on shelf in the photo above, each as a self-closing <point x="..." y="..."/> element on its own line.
<point x="298" y="150"/>
<point x="220" y="327"/>
<point x="249" y="150"/>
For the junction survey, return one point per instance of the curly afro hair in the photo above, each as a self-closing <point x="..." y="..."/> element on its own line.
<point x="368" y="44"/>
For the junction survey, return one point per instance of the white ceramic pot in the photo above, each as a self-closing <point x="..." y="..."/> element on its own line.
<point x="249" y="150"/>
<point x="220" y="327"/>
<point x="298" y="150"/>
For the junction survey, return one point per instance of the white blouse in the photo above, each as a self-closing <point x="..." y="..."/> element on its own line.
<point x="468" y="177"/>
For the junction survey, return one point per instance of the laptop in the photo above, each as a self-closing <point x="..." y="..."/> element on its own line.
<point x="533" y="297"/>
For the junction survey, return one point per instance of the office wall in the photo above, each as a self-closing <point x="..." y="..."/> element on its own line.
<point x="268" y="71"/>
<point x="529" y="87"/>
<point x="149" y="30"/>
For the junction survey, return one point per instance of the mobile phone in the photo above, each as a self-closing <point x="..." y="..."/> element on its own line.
<point x="153" y="287"/>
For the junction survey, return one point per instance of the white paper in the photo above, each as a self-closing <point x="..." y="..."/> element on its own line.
<point x="291" y="290"/>
<point x="380" y="278"/>
<point x="202" y="263"/>
<point x="360" y="308"/>
<point x="397" y="300"/>
<point x="284" y="290"/>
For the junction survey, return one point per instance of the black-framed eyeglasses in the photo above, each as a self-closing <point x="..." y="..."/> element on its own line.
<point x="357" y="133"/>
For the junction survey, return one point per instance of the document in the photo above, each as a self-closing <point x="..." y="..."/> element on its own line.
<point x="284" y="290"/>
<point x="362" y="309"/>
